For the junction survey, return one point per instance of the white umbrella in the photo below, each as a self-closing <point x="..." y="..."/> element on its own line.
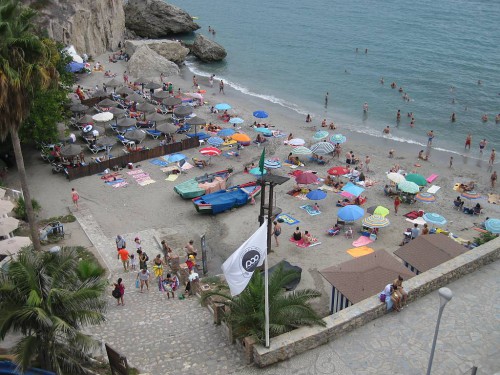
<point x="103" y="117"/>
<point x="296" y="142"/>
<point x="5" y="207"/>
<point x="8" y="225"/>
<point x="12" y="245"/>
<point x="396" y="177"/>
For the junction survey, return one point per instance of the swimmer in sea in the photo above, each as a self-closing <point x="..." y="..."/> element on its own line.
<point x="387" y="130"/>
<point x="412" y="123"/>
<point x="398" y="116"/>
<point x="453" y="117"/>
<point x="382" y="80"/>
<point x="400" y="89"/>
<point x="365" y="107"/>
<point x="482" y="145"/>
<point x="484" y="118"/>
<point x="393" y="85"/>
<point x="497" y="118"/>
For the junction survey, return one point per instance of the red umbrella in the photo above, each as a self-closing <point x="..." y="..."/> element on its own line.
<point x="210" y="151"/>
<point x="306" y="178"/>
<point x="338" y="171"/>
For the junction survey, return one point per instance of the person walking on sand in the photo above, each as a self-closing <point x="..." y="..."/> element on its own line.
<point x="451" y="161"/>
<point x="492" y="158"/>
<point x="367" y="163"/>
<point x="276" y="232"/>
<point x="430" y="136"/>
<point x="397" y="202"/>
<point x="125" y="257"/>
<point x="119" y="291"/>
<point x="493" y="179"/>
<point x="221" y="87"/>
<point x="468" y="141"/>
<point x="143" y="277"/>
<point x="75" y="197"/>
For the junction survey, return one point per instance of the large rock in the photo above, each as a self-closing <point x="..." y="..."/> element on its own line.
<point x="169" y="49"/>
<point x="147" y="63"/>
<point x="157" y="19"/>
<point x="207" y="50"/>
<point x="92" y="26"/>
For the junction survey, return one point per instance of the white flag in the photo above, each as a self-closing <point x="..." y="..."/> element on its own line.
<point x="238" y="268"/>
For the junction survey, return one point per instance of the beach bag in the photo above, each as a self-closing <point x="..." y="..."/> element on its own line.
<point x="137" y="283"/>
<point x="116" y="293"/>
<point x="146" y="256"/>
<point x="382" y="297"/>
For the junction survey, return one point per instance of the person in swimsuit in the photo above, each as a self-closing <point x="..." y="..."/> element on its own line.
<point x="75" y="197"/>
<point x="492" y="158"/>
<point x="468" y="141"/>
<point x="158" y="267"/>
<point x="276" y="231"/>
<point x="482" y="145"/>
<point x="297" y="235"/>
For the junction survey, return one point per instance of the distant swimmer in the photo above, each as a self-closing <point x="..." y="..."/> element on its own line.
<point x="365" y="107"/>
<point x="323" y="123"/>
<point x="482" y="145"/>
<point x="484" y="117"/>
<point x="468" y="141"/>
<point x="479" y="82"/>
<point x="453" y="101"/>
<point x="387" y="130"/>
<point x="382" y="80"/>
<point x="356" y="50"/>
<point x="366" y="50"/>
<point x="412" y="123"/>
<point x="453" y="117"/>
<point x="393" y="85"/>
<point x="326" y="99"/>
<point x="308" y="118"/>
<point x="400" y="89"/>
<point x="209" y="29"/>
<point x="398" y="116"/>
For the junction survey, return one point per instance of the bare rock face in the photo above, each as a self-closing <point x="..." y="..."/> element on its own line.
<point x="147" y="63"/>
<point x="92" y="26"/>
<point x="157" y="19"/>
<point x="207" y="50"/>
<point x="170" y="49"/>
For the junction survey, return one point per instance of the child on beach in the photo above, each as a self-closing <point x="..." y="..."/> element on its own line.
<point x="75" y="197"/>
<point x="133" y="262"/>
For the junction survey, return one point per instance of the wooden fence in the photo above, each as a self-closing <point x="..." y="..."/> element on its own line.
<point x="133" y="157"/>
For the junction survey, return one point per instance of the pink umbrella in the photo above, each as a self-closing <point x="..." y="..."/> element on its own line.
<point x="210" y="151"/>
<point x="306" y="178"/>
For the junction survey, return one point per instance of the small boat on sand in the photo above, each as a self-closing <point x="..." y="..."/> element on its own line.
<point x="198" y="186"/>
<point x="223" y="200"/>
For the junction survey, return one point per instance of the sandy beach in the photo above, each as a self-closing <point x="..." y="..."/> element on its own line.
<point x="135" y="208"/>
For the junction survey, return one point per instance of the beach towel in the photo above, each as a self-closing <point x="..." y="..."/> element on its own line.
<point x="310" y="210"/>
<point x="172" y="177"/>
<point x="146" y="182"/>
<point x="158" y="162"/>
<point x="362" y="241"/>
<point x="288" y="219"/>
<point x="412" y="215"/>
<point x="360" y="251"/>
<point x="432" y="177"/>
<point x="120" y="184"/>
<point x="433" y="189"/>
<point x="114" y="182"/>
<point x="187" y="166"/>
<point x="301" y="243"/>
<point x="494" y="198"/>
<point x="135" y="171"/>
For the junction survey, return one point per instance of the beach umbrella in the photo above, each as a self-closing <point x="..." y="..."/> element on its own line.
<point x="319" y="135"/>
<point x="99" y="94"/>
<point x="257" y="172"/>
<point x="215" y="141"/>
<point x="396" y="177"/>
<point x="338" y="171"/>
<point x="106" y="141"/>
<point x="296" y="142"/>
<point x="236" y="120"/>
<point x="161" y="94"/>
<point x="87" y="119"/>
<point x="260" y="114"/>
<point x="117" y="112"/>
<point x="152" y="85"/>
<point x="156" y="117"/>
<point x="142" y="80"/>
<point x="196" y="121"/>
<point x="322" y="148"/>
<point x="272" y="164"/>
<point x="183" y="111"/>
<point x="301" y="150"/>
<point x="169" y="102"/>
<point x="126" y="122"/>
<point x="113" y="83"/>
<point x="316" y="195"/>
<point x="145" y="107"/>
<point x="408" y="187"/>
<point x="225" y="132"/>
<point x="416" y="178"/>
<point x="195" y="95"/>
<point x="306" y="178"/>
<point x="350" y="213"/>
<point x="5" y="207"/>
<point x="353" y="189"/>
<point x="174" y="158"/>
<point x="71" y="150"/>
<point x="264" y="131"/>
<point x="210" y="151"/>
<point x="425" y="197"/>
<point x="471" y="195"/>
<point x="222" y="107"/>
<point x="78" y="107"/>
<point x="107" y="103"/>
<point x="241" y="137"/>
<point x="338" y="138"/>
<point x="12" y="245"/>
<point x="135" y="97"/>
<point x="378" y="210"/>
<point x="376" y="221"/>
<point x="136" y="135"/>
<point x="8" y="225"/>
<point x="167" y="128"/>
<point x="434" y="218"/>
<point x="125" y="90"/>
<point x="103" y="117"/>
<point x="492" y="225"/>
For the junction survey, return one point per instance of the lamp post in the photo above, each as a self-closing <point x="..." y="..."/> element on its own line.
<point x="445" y="295"/>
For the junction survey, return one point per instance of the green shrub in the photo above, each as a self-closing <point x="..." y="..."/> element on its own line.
<point x="484" y="237"/>
<point x="20" y="209"/>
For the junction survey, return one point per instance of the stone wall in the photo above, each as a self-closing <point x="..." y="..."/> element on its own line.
<point x="303" y="339"/>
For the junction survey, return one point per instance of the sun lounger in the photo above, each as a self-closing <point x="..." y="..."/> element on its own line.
<point x="96" y="148"/>
<point x="154" y="133"/>
<point x="123" y="140"/>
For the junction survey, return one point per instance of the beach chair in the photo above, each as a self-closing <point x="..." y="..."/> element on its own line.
<point x="124" y="141"/>
<point x="155" y="134"/>
<point x="96" y="148"/>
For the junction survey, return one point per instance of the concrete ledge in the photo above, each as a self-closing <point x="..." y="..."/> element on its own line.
<point x="300" y="340"/>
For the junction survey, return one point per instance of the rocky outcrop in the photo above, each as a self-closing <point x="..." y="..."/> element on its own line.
<point x="92" y="26"/>
<point x="207" y="50"/>
<point x="147" y="63"/>
<point x="169" y="49"/>
<point x="157" y="19"/>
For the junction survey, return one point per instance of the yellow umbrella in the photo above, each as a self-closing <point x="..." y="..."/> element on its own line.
<point x="378" y="210"/>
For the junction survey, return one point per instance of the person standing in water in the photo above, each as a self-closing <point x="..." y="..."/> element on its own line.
<point x="326" y="99"/>
<point x="365" y="107"/>
<point x="468" y="141"/>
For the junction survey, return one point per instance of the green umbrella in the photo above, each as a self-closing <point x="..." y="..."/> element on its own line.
<point x="408" y="187"/>
<point x="416" y="178"/>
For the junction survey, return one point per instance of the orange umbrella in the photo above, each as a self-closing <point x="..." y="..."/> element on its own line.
<point x="241" y="137"/>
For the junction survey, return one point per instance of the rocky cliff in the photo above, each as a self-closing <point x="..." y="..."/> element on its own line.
<point x="92" y="26"/>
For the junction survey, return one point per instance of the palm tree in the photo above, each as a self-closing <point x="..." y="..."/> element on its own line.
<point x="43" y="298"/>
<point x="25" y="67"/>
<point x="287" y="311"/>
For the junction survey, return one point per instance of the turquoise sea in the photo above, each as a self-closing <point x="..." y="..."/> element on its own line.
<point x="293" y="52"/>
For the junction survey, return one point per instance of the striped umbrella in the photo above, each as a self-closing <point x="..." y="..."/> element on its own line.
<point x="408" y="187"/>
<point x="226" y="132"/>
<point x="378" y="210"/>
<point x="272" y="164"/>
<point x="492" y="225"/>
<point x="210" y="151"/>
<point x="396" y="177"/>
<point x="316" y="195"/>
<point x="301" y="151"/>
<point x="222" y="106"/>
<point x="319" y="135"/>
<point x="471" y="195"/>
<point x="215" y="141"/>
<point x="338" y="138"/>
<point x="236" y="120"/>
<point x="376" y="221"/>
<point x="416" y="178"/>
<point x="322" y="148"/>
<point x="434" y="218"/>
<point x="296" y="142"/>
<point x="425" y="197"/>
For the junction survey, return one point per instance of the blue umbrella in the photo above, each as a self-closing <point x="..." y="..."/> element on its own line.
<point x="353" y="189"/>
<point x="492" y="225"/>
<point x="260" y="114"/>
<point x="316" y="195"/>
<point x="226" y="132"/>
<point x="272" y="164"/>
<point x="319" y="135"/>
<point x="222" y="106"/>
<point x="264" y="131"/>
<point x="200" y="135"/>
<point x="236" y="120"/>
<point x="174" y="158"/>
<point x="434" y="218"/>
<point x="215" y="141"/>
<point x="338" y="138"/>
<point x="350" y="213"/>
<point x="256" y="171"/>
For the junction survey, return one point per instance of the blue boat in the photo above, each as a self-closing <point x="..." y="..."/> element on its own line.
<point x="224" y="200"/>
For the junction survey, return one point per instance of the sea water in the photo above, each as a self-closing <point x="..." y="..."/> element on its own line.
<point x="444" y="54"/>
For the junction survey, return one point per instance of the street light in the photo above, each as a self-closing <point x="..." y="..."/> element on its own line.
<point x="445" y="295"/>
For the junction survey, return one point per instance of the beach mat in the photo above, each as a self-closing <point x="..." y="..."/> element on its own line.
<point x="310" y="210"/>
<point x="121" y="184"/>
<point x="135" y="171"/>
<point x="172" y="177"/>
<point x="359" y="251"/>
<point x="432" y="177"/>
<point x="288" y="219"/>
<point x="362" y="241"/>
<point x="494" y="198"/>
<point x="433" y="189"/>
<point x="114" y="182"/>
<point x="301" y="243"/>
<point x="411" y="215"/>
<point x="158" y="162"/>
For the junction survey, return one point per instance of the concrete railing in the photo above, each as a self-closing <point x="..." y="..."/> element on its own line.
<point x="300" y="340"/>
